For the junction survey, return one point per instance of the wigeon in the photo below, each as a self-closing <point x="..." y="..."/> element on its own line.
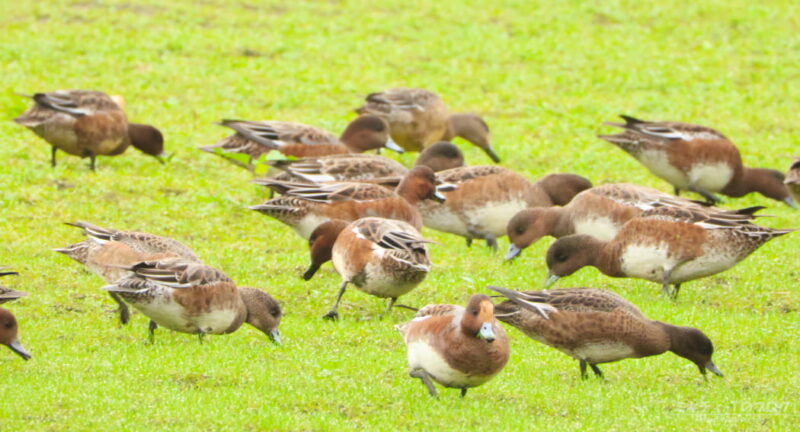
<point x="596" y="326"/>
<point x="599" y="212"/>
<point x="696" y="158"/>
<point x="485" y="198"/>
<point x="88" y="124"/>
<point x="360" y="167"/>
<point x="8" y="323"/>
<point x="662" y="246"/>
<point x="455" y="346"/>
<point x="382" y="257"/>
<point x="105" y="251"/>
<point x="257" y="138"/>
<point x="304" y="207"/>
<point x="418" y="118"/>
<point x="792" y="181"/>
<point x="190" y="297"/>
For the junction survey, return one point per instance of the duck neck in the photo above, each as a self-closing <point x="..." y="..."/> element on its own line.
<point x="767" y="182"/>
<point x="606" y="256"/>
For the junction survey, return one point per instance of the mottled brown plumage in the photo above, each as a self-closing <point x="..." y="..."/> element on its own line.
<point x="87" y="124"/>
<point x="597" y="326"/>
<point x="107" y="251"/>
<point x="792" y="180"/>
<point x="485" y="198"/>
<point x="304" y="207"/>
<point x="418" y="118"/>
<point x="695" y="158"/>
<point x="455" y="346"/>
<point x="256" y="138"/>
<point x="8" y="294"/>
<point x="662" y="246"/>
<point x="382" y="257"/>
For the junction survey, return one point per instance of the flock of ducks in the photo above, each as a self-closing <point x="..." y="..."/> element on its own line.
<point x="364" y="213"/>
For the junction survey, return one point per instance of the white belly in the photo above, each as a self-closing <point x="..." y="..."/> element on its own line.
<point x="215" y="322"/>
<point x="482" y="219"/>
<point x="422" y="356"/>
<point x="603" y="352"/>
<point x="711" y="177"/>
<point x="658" y="163"/>
<point x="308" y="224"/>
<point x="603" y="229"/>
<point x="442" y="218"/>
<point x="382" y="284"/>
<point x="646" y="262"/>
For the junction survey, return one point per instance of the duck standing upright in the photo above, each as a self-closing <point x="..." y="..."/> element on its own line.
<point x="455" y="346"/>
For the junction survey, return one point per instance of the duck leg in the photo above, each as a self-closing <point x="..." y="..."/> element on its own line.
<point x="491" y="241"/>
<point x="389" y="308"/>
<point x="124" y="312"/>
<point x="583" y="369"/>
<point x="463" y="392"/>
<point x="677" y="191"/>
<point x="711" y="198"/>
<point x="597" y="372"/>
<point x="201" y="336"/>
<point x="469" y="241"/>
<point x="426" y="379"/>
<point x="92" y="158"/>
<point x="334" y="312"/>
<point x="676" y="288"/>
<point x="53" y="156"/>
<point x="151" y="334"/>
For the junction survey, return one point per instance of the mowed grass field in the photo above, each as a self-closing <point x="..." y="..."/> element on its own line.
<point x="544" y="74"/>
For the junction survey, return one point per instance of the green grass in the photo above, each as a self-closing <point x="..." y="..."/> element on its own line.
<point x="545" y="74"/>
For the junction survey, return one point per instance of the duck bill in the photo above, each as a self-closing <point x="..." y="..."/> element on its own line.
<point x="391" y="145"/>
<point x="713" y="368"/>
<point x="513" y="252"/>
<point x="551" y="280"/>
<point x="486" y="333"/>
<point x="490" y="152"/>
<point x="275" y="336"/>
<point x="438" y="197"/>
<point x="790" y="202"/>
<point x="19" y="349"/>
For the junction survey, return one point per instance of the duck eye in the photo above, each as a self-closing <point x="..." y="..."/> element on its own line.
<point x="520" y="229"/>
<point x="561" y="257"/>
<point x="474" y="311"/>
<point x="8" y="324"/>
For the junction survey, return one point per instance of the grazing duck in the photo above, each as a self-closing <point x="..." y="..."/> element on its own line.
<point x="792" y="181"/>
<point x="257" y="138"/>
<point x="106" y="251"/>
<point x="662" y="246"/>
<point x="596" y="326"/>
<point x="361" y="167"/>
<point x="486" y="197"/>
<point x="304" y="207"/>
<point x="190" y="297"/>
<point x="455" y="346"/>
<point x="696" y="158"/>
<point x="419" y="118"/>
<point x="88" y="124"/>
<point x="599" y="212"/>
<point x="382" y="257"/>
<point x="8" y="323"/>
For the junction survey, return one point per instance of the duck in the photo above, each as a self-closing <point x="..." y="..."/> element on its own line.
<point x="419" y="118"/>
<point x="599" y="212"/>
<point x="361" y="167"/>
<point x="9" y="328"/>
<point x="88" y="123"/>
<point x="486" y="197"/>
<point x="662" y="246"/>
<point x="304" y="207"/>
<point x="696" y="158"/>
<point x="597" y="326"/>
<point x="455" y="346"/>
<point x="382" y="257"/>
<point x="106" y="251"/>
<point x="792" y="180"/>
<point x="254" y="139"/>
<point x="190" y="297"/>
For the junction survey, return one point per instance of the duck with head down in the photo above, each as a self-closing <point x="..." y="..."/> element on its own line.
<point x="9" y="328"/>
<point x="596" y="326"/>
<point x="88" y="124"/>
<point x="382" y="257"/>
<point x="455" y="346"/>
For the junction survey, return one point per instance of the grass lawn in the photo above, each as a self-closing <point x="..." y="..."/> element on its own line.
<point x="545" y="75"/>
